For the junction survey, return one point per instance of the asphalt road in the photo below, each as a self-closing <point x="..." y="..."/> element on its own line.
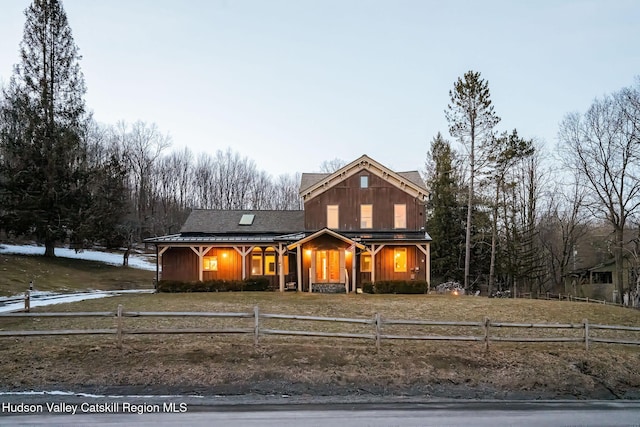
<point x="459" y="413"/>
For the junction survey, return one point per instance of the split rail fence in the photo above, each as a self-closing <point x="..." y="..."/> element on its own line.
<point x="376" y="328"/>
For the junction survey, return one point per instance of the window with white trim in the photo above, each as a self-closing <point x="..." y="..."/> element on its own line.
<point x="365" y="262"/>
<point x="210" y="263"/>
<point x="333" y="217"/>
<point x="400" y="260"/>
<point x="366" y="216"/>
<point x="400" y="216"/>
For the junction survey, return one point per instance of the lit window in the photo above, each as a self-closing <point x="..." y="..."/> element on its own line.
<point x="365" y="263"/>
<point x="210" y="263"/>
<point x="364" y="181"/>
<point x="270" y="263"/>
<point x="400" y="260"/>
<point x="399" y="216"/>
<point x="332" y="216"/>
<point x="256" y="262"/>
<point x="366" y="216"/>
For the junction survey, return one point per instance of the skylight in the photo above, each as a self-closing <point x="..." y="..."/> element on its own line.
<point x="247" y="219"/>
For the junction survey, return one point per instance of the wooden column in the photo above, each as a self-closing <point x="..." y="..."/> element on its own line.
<point x="281" y="252"/>
<point x="353" y="267"/>
<point x="200" y="251"/>
<point x="426" y="250"/>
<point x="243" y="251"/>
<point x="373" y="253"/>
<point x="299" y="259"/>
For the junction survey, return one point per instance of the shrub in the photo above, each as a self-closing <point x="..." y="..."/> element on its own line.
<point x="253" y="284"/>
<point x="396" y="287"/>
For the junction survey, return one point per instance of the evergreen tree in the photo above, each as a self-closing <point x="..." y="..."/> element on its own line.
<point x="471" y="119"/>
<point x="445" y="222"/>
<point x="42" y="176"/>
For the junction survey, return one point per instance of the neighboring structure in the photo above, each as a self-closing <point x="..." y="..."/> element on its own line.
<point x="600" y="281"/>
<point x="361" y="223"/>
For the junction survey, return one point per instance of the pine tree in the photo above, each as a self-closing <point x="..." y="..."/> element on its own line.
<point x="445" y="222"/>
<point x="471" y="119"/>
<point x="42" y="176"/>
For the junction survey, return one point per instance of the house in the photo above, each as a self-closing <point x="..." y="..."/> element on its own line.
<point x="600" y="281"/>
<point x="362" y="223"/>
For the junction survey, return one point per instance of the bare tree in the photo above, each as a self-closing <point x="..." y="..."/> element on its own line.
<point x="603" y="147"/>
<point x="330" y="166"/>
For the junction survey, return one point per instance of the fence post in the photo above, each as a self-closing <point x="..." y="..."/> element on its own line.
<point x="585" y="322"/>
<point x="256" y="325"/>
<point x="377" y="322"/>
<point x="487" y="322"/>
<point x="27" y="301"/>
<point x="119" y="326"/>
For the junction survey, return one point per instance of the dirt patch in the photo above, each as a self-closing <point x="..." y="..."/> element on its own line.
<point x="222" y="366"/>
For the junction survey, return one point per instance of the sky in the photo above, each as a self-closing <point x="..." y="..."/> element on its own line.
<point x="292" y="83"/>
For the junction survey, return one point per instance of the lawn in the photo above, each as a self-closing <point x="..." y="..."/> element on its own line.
<point x="301" y="365"/>
<point x="66" y="275"/>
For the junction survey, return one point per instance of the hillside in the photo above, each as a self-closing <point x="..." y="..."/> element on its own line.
<point x="66" y="275"/>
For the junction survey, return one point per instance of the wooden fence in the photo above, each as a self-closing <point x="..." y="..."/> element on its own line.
<point x="566" y="297"/>
<point x="376" y="324"/>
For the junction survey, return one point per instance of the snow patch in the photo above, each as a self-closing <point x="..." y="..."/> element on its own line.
<point x="135" y="261"/>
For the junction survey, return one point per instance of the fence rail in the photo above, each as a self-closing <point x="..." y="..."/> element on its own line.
<point x="377" y="334"/>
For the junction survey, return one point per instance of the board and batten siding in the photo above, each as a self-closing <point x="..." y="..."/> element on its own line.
<point x="180" y="264"/>
<point x="349" y="196"/>
<point x="385" y="269"/>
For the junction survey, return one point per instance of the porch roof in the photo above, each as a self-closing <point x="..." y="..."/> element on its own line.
<point x="325" y="231"/>
<point x="228" y="239"/>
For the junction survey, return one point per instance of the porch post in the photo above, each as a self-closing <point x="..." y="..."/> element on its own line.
<point x="243" y="251"/>
<point x="373" y="263"/>
<point x="353" y="267"/>
<point x="281" y="266"/>
<point x="428" y="267"/>
<point x="299" y="267"/>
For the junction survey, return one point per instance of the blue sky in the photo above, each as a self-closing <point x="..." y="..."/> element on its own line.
<point x="290" y="83"/>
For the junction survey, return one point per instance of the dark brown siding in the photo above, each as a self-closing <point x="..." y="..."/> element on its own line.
<point x="180" y="264"/>
<point x="384" y="264"/>
<point x="229" y="265"/>
<point x="349" y="196"/>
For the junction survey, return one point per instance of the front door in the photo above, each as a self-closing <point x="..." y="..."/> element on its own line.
<point x="327" y="266"/>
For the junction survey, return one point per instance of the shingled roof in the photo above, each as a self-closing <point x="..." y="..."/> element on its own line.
<point x="211" y="221"/>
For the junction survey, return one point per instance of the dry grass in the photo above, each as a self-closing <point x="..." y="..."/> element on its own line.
<point x="66" y="274"/>
<point x="232" y="364"/>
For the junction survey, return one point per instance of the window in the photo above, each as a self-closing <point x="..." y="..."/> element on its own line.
<point x="270" y="263"/>
<point x="256" y="262"/>
<point x="400" y="260"/>
<point x="246" y="219"/>
<point x="399" y="216"/>
<point x="210" y="263"/>
<point x="364" y="181"/>
<point x="333" y="216"/>
<point x="365" y="263"/>
<point x="366" y="216"/>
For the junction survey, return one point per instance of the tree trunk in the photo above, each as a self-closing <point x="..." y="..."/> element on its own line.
<point x="49" y="247"/>
<point x="494" y="238"/>
<point x="467" y="254"/>
<point x="619" y="260"/>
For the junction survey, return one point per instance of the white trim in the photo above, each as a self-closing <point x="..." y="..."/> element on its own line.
<point x="370" y="165"/>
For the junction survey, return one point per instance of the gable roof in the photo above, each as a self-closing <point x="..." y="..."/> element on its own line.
<point x="214" y="221"/>
<point x="312" y="184"/>
<point x="322" y="232"/>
